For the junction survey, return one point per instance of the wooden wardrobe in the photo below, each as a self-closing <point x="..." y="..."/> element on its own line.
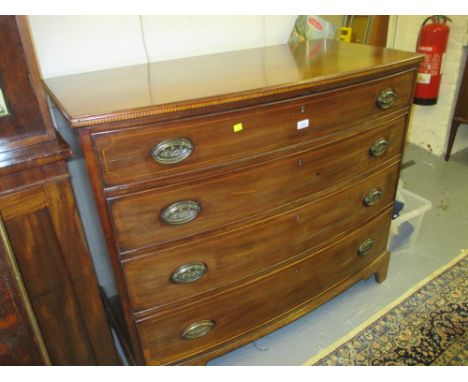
<point x="51" y="312"/>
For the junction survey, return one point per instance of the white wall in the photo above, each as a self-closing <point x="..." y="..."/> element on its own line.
<point x="74" y="44"/>
<point x="77" y="44"/>
<point x="429" y="126"/>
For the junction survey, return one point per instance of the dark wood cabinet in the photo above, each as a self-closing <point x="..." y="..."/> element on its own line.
<point x="21" y="341"/>
<point x="460" y="115"/>
<point x="51" y="309"/>
<point x="28" y="120"/>
<point x="241" y="190"/>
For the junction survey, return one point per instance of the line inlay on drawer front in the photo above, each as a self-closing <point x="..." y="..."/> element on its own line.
<point x="213" y="261"/>
<point x="253" y="187"/>
<point x="128" y="155"/>
<point x="258" y="190"/>
<point x="263" y="299"/>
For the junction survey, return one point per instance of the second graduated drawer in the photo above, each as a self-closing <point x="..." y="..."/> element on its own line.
<point x="156" y="216"/>
<point x="177" y="274"/>
<point x="167" y="149"/>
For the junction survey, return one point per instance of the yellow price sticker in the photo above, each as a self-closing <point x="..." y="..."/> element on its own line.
<point x="238" y="127"/>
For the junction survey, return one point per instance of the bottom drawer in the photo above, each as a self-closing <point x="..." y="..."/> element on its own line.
<point x="175" y="335"/>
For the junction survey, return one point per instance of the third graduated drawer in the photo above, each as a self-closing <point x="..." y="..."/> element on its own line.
<point x="210" y="262"/>
<point x="158" y="151"/>
<point x="161" y="215"/>
<point x="227" y="316"/>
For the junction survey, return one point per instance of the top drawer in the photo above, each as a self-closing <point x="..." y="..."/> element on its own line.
<point x="173" y="148"/>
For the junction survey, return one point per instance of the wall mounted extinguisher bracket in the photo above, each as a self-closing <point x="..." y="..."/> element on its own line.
<point x="432" y="42"/>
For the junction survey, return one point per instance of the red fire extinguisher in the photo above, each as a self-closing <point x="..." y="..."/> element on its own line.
<point x="432" y="42"/>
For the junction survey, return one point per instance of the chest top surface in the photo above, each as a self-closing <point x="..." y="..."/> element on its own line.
<point x="231" y="79"/>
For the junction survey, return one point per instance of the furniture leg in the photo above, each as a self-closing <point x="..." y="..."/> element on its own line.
<point x="453" y="133"/>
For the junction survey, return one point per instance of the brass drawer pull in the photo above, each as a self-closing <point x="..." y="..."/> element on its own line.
<point x="180" y="212"/>
<point x="197" y="329"/>
<point x="386" y="98"/>
<point x="379" y="147"/>
<point x="188" y="273"/>
<point x="172" y="150"/>
<point x="372" y="197"/>
<point x="365" y="247"/>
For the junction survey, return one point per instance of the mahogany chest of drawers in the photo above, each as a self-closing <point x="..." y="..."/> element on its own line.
<point x="241" y="190"/>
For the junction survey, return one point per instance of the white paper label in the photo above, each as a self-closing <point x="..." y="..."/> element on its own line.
<point x="302" y="124"/>
<point x="424" y="78"/>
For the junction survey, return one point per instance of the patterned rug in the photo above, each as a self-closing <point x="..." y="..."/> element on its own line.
<point x="428" y="325"/>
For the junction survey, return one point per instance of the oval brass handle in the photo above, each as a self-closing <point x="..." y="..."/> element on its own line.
<point x="180" y="212"/>
<point x="365" y="247"/>
<point x="386" y="98"/>
<point x="188" y="273"/>
<point x="197" y="329"/>
<point x="372" y="197"/>
<point x="172" y="150"/>
<point x="379" y="147"/>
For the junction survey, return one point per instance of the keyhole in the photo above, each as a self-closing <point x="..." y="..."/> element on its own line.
<point x="303" y="108"/>
<point x="298" y="217"/>
<point x="300" y="162"/>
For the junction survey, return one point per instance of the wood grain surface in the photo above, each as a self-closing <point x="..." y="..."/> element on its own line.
<point x="250" y="192"/>
<point x="42" y="227"/>
<point x="125" y="154"/>
<point x="244" y="250"/>
<point x="21" y="342"/>
<point x="281" y="207"/>
<point x="224" y="80"/>
<point x="20" y="83"/>
<point x="240" y="310"/>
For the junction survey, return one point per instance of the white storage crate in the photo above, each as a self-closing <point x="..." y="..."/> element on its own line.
<point x="404" y="230"/>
